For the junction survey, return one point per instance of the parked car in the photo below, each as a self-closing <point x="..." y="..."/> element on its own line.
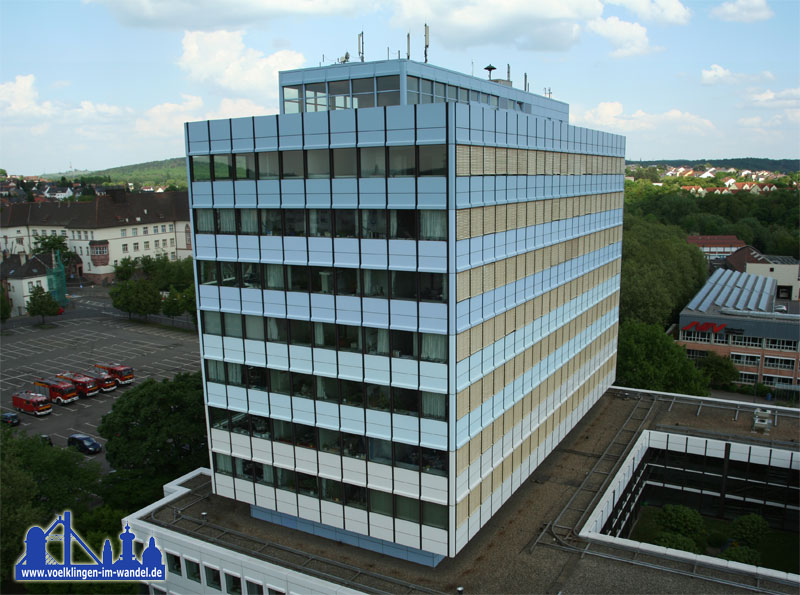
<point x="46" y="439"/>
<point x="85" y="444"/>
<point x="10" y="419"/>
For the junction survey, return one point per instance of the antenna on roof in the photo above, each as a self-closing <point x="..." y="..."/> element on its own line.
<point x="408" y="46"/>
<point x="427" y="41"/>
<point x="490" y="68"/>
<point x="361" y="46"/>
<point x="525" y="82"/>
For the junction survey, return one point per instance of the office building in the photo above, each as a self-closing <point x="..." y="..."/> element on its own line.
<point x="742" y="316"/>
<point x="408" y="288"/>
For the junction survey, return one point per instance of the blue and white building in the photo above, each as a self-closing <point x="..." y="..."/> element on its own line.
<point x="408" y="288"/>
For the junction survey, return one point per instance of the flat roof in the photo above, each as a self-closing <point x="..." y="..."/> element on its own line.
<point x="531" y="543"/>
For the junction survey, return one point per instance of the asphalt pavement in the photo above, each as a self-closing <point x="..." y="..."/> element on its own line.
<point x="90" y="332"/>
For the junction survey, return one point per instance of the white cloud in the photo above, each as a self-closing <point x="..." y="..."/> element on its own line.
<point x="759" y="123"/>
<point x="212" y="14"/>
<point x="743" y="11"/>
<point x="541" y="25"/>
<point x="788" y="98"/>
<point x="717" y="74"/>
<point x="672" y="12"/>
<point x="220" y="57"/>
<point x="239" y="108"/>
<point x="610" y="115"/>
<point x="166" y="119"/>
<point x="629" y="39"/>
<point x="19" y="98"/>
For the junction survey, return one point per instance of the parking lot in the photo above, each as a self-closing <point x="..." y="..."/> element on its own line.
<point x="76" y="345"/>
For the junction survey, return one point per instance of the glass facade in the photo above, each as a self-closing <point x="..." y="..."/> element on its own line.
<point x="380" y="306"/>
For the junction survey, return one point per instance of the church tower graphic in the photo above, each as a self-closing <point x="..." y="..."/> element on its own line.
<point x="37" y="563"/>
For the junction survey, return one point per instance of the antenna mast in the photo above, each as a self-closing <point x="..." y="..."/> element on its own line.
<point x="361" y="46"/>
<point x="408" y="46"/>
<point x="427" y="41"/>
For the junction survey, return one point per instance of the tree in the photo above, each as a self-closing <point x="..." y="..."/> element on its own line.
<point x="125" y="269"/>
<point x="38" y="481"/>
<point x="682" y="520"/>
<point x="136" y="297"/>
<point x="720" y="370"/>
<point x="661" y="272"/>
<point x="41" y="303"/>
<point x="172" y="305"/>
<point x="5" y="305"/>
<point x="676" y="541"/>
<point x="750" y="530"/>
<point x="189" y="304"/>
<point x="650" y="359"/>
<point x="46" y="244"/>
<point x="158" y="428"/>
<point x="743" y="554"/>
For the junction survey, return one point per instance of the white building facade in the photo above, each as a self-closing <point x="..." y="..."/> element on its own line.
<point x="408" y="288"/>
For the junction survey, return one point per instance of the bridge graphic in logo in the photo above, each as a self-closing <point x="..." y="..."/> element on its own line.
<point x="37" y="564"/>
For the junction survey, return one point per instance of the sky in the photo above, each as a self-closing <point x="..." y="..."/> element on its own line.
<point x="93" y="84"/>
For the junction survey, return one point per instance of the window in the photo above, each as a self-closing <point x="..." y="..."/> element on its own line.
<point x="292" y="165"/>
<point x="134" y="231"/>
<point x="292" y="102"/>
<point x="201" y="168"/>
<point x="402" y="161"/>
<point x="213" y="578"/>
<point x="156" y="244"/>
<point x="254" y="588"/>
<point x="172" y="256"/>
<point x="373" y="162"/>
<point x="174" y="564"/>
<point x="373" y="224"/>
<point x="248" y="222"/>
<point x="212" y="322"/>
<point x="319" y="165"/>
<point x="433" y="225"/>
<point x="163" y="229"/>
<point x="124" y="248"/>
<point x="406" y="509"/>
<point x="122" y="233"/>
<point x="171" y="227"/>
<point x="432" y="160"/>
<point x="743" y="359"/>
<point x="172" y="245"/>
<point x="320" y="223"/>
<point x="339" y="95"/>
<point x="380" y="502"/>
<point x="268" y="165"/>
<point x="144" y="230"/>
<point x="329" y="441"/>
<point x="363" y="92"/>
<point x="344" y="163"/>
<point x="779" y="362"/>
<point x="192" y="570"/>
<point x="223" y="464"/>
<point x="233" y="584"/>
<point x="245" y="166"/>
<point x="406" y="456"/>
<point x="345" y="223"/>
<point x="146" y="246"/>
<point x="434" y="461"/>
<point x="380" y="451"/>
<point x="434" y="515"/>
<point x="355" y="496"/>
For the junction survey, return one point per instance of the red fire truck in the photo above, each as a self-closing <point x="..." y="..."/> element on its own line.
<point x="59" y="391"/>
<point x="30" y="402"/>
<point x="121" y="374"/>
<point x="104" y="380"/>
<point x="86" y="387"/>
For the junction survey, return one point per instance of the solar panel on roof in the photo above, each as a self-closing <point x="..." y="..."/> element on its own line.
<point x="763" y="303"/>
<point x="743" y="297"/>
<point x="755" y="294"/>
<point x="732" y="297"/>
<point x="700" y="296"/>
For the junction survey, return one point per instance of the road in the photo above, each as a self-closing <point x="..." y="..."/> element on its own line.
<point x="93" y="333"/>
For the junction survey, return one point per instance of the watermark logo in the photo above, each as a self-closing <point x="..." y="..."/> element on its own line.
<point x="37" y="564"/>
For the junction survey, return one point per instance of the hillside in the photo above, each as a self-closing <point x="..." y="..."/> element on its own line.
<point x="152" y="173"/>
<point x="752" y="163"/>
